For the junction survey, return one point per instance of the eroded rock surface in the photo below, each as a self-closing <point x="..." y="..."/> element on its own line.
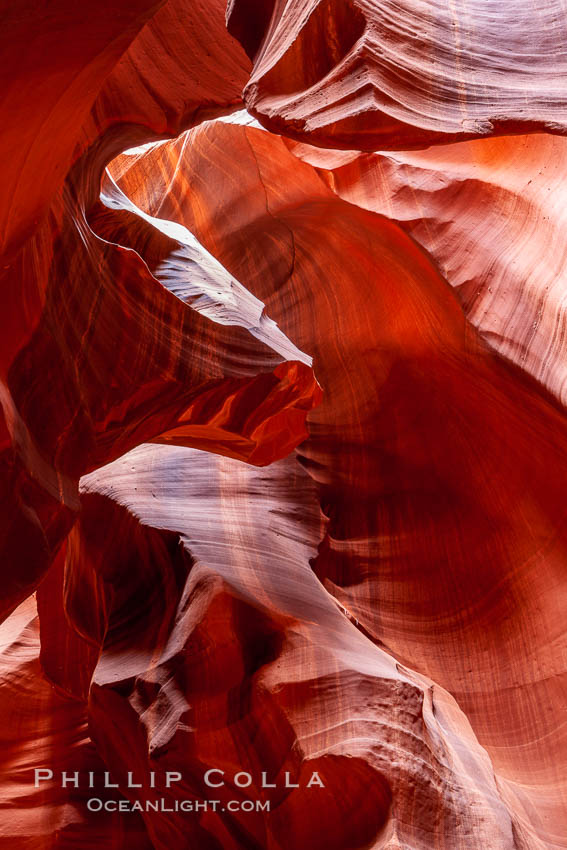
<point x="284" y="435"/>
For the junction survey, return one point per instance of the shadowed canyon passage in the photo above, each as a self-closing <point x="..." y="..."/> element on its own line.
<point x="284" y="440"/>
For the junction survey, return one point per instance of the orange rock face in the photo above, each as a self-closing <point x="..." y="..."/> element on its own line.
<point x="402" y="73"/>
<point x="284" y="436"/>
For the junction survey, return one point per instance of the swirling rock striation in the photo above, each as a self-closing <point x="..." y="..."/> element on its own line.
<point x="177" y="372"/>
<point x="492" y="215"/>
<point x="393" y="75"/>
<point x="283" y="434"/>
<point x="441" y="466"/>
<point x="252" y="666"/>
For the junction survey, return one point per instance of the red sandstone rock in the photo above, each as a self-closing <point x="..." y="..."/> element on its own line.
<point x="383" y="608"/>
<point x="491" y="214"/>
<point x="222" y="650"/>
<point x="175" y="374"/>
<point x="402" y="73"/>
<point x="441" y="466"/>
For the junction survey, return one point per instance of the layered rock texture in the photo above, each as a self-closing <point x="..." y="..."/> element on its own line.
<point x="283" y="437"/>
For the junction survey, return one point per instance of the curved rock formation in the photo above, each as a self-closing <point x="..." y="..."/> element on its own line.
<point x="424" y="437"/>
<point x="175" y="374"/>
<point x="42" y="726"/>
<point x="247" y="664"/>
<point x="491" y="214"/>
<point x="391" y="75"/>
<point x="284" y="434"/>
